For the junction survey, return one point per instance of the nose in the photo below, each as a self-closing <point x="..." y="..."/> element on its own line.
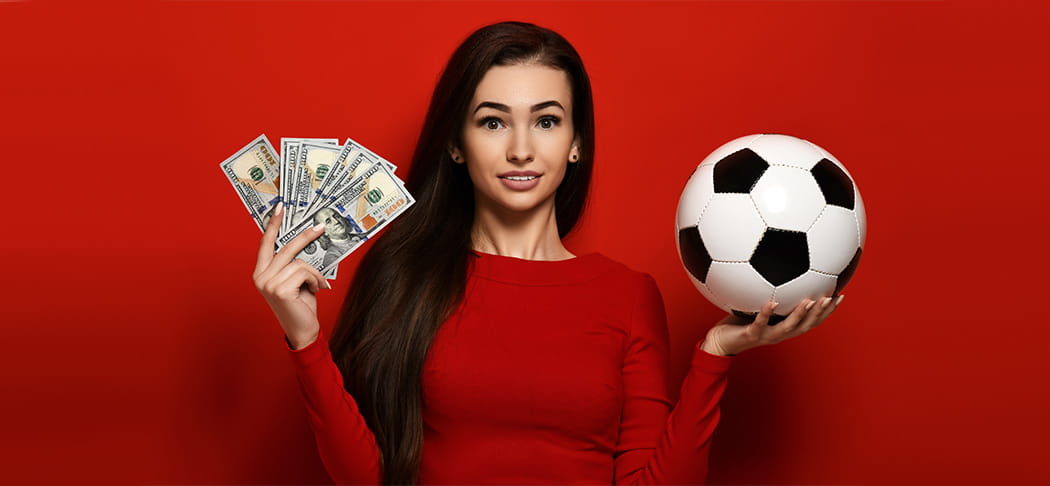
<point x="520" y="150"/>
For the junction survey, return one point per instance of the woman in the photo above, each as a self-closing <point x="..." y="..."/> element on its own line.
<point x="469" y="324"/>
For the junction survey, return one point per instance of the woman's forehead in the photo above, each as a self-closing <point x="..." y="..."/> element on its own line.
<point x="523" y="85"/>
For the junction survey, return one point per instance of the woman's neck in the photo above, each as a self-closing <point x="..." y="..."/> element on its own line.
<point x="531" y="235"/>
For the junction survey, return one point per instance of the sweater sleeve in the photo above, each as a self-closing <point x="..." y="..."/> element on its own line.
<point x="658" y="445"/>
<point x="346" y="445"/>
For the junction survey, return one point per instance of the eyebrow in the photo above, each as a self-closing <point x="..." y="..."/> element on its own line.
<point x="506" y="109"/>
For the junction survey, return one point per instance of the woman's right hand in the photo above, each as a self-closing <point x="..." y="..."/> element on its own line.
<point x="288" y="284"/>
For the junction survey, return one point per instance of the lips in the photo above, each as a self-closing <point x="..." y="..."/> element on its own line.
<point x="520" y="180"/>
<point x="520" y="175"/>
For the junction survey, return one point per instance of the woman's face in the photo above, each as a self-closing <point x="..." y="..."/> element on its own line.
<point x="518" y="136"/>
<point x="333" y="223"/>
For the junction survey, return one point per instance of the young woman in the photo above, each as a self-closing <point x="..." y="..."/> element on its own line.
<point x="473" y="347"/>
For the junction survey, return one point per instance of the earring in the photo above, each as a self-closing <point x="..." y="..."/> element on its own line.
<point x="574" y="157"/>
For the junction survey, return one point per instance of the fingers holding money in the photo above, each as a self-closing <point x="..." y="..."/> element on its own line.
<point x="272" y="267"/>
<point x="349" y="187"/>
<point x="288" y="252"/>
<point x="269" y="238"/>
<point x="288" y="282"/>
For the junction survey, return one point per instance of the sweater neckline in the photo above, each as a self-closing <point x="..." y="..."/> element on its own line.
<point x="580" y="268"/>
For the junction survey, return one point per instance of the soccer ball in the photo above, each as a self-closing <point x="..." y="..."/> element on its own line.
<point x="769" y="217"/>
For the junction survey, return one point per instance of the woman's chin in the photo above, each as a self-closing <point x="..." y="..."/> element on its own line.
<point x="506" y="202"/>
<point x="521" y="207"/>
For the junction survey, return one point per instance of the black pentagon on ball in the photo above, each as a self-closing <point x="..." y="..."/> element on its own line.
<point x="694" y="254"/>
<point x="847" y="273"/>
<point x="744" y="315"/>
<point x="834" y="183"/>
<point x="739" y="171"/>
<point x="750" y="316"/>
<point x="781" y="256"/>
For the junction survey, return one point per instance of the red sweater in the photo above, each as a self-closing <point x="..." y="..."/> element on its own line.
<point x="547" y="373"/>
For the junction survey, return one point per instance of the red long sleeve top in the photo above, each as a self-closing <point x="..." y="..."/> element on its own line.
<point x="549" y="372"/>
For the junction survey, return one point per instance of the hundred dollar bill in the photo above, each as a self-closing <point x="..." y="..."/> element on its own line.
<point x="289" y="169"/>
<point x="315" y="160"/>
<point x="347" y="156"/>
<point x="254" y="173"/>
<point x="338" y="176"/>
<point x="356" y="213"/>
<point x="289" y="148"/>
<point x="359" y="163"/>
<point x="298" y="163"/>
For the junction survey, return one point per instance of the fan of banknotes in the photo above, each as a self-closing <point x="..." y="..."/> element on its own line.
<point x="348" y="188"/>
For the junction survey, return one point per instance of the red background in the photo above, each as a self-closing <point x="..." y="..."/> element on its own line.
<point x="137" y="351"/>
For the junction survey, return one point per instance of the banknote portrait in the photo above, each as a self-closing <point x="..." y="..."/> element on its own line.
<point x="339" y="235"/>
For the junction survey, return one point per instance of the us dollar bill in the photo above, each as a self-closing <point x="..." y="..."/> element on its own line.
<point x="315" y="160"/>
<point x="289" y="149"/>
<point x="254" y="172"/>
<point x="356" y="213"/>
<point x="351" y="171"/>
<point x="338" y="176"/>
<point x="297" y="174"/>
<point x="289" y="170"/>
<point x="348" y="155"/>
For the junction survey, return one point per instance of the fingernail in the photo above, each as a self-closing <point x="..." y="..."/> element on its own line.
<point x="327" y="285"/>
<point x="318" y="227"/>
<point x="280" y="208"/>
<point x="839" y="301"/>
<point x="810" y="304"/>
<point x="827" y="300"/>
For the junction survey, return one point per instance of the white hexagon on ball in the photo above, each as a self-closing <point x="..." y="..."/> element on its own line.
<point x="788" y="198"/>
<point x="731" y="227"/>
<point x="738" y="287"/>
<point x="698" y="191"/>
<point x="833" y="240"/>
<point x="862" y="216"/>
<point x="810" y="285"/>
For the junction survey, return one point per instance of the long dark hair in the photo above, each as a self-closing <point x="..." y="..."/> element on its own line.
<point x="414" y="276"/>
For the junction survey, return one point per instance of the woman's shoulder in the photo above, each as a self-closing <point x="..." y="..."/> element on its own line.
<point x="623" y="289"/>
<point x="608" y="271"/>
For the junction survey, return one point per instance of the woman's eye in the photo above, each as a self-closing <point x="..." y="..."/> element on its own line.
<point x="548" y="122"/>
<point x="492" y="123"/>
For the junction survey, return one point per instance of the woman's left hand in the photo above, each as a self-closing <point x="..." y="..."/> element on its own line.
<point x="733" y="335"/>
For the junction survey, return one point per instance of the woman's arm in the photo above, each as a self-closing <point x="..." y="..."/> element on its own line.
<point x="658" y="444"/>
<point x="346" y="444"/>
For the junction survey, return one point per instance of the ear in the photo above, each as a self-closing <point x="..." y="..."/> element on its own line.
<point x="456" y="154"/>
<point x="574" y="151"/>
